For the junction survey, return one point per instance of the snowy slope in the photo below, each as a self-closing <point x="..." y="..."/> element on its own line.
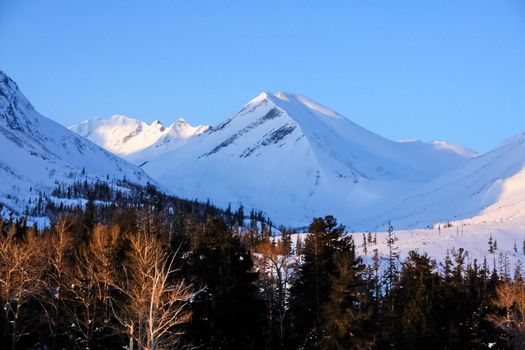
<point x="134" y="140"/>
<point x="438" y="242"/>
<point x="296" y="159"/>
<point x="36" y="153"/>
<point x="488" y="188"/>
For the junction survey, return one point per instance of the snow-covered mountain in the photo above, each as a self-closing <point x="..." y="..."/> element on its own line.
<point x="36" y="153"/>
<point x="488" y="188"/>
<point x="293" y="158"/>
<point x="135" y="140"/>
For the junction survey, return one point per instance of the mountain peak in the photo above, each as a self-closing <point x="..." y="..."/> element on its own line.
<point x="280" y="136"/>
<point x="287" y="96"/>
<point x="16" y="112"/>
<point x="121" y="119"/>
<point x="263" y="96"/>
<point x="8" y="88"/>
<point x="6" y="81"/>
<point x="38" y="153"/>
<point x="294" y="104"/>
<point x="281" y="95"/>
<point x="135" y="140"/>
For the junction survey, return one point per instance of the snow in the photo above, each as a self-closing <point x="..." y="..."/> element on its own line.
<point x="463" y="151"/>
<point x="442" y="145"/>
<point x="135" y="140"/>
<point x="308" y="103"/>
<point x="38" y="153"/>
<point x="282" y="153"/>
<point x="297" y="159"/>
<point x="438" y="241"/>
<point x="488" y="188"/>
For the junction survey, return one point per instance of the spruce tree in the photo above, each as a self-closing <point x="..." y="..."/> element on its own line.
<point x="311" y="287"/>
<point x="518" y="272"/>
<point x="393" y="259"/>
<point x="347" y="314"/>
<point x="411" y="303"/>
<point x="227" y="314"/>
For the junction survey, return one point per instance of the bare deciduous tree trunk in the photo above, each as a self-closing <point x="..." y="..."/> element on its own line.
<point x="275" y="261"/>
<point x="80" y="286"/>
<point x="156" y="305"/>
<point x="21" y="267"/>
<point x="511" y="297"/>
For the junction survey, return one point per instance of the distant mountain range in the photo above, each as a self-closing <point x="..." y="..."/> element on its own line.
<point x="280" y="153"/>
<point x="37" y="154"/>
<point x="135" y="140"/>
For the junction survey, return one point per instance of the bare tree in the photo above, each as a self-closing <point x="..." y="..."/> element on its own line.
<point x="79" y="281"/>
<point x="91" y="290"/>
<point x="511" y="298"/>
<point x="57" y="248"/>
<point x="156" y="304"/>
<point x="20" y="280"/>
<point x="275" y="261"/>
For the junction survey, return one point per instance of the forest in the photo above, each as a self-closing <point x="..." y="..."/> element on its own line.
<point x="176" y="274"/>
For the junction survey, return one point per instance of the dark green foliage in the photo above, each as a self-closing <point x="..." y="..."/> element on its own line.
<point x="411" y="305"/>
<point x="409" y="308"/>
<point x="335" y="301"/>
<point x="312" y="286"/>
<point x="227" y="314"/>
<point x="347" y="315"/>
<point x="439" y="311"/>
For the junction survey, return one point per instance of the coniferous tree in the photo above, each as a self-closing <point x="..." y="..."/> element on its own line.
<point x="347" y="314"/>
<point x="411" y="304"/>
<point x="66" y="287"/>
<point x="227" y="314"/>
<point x="376" y="279"/>
<point x="518" y="272"/>
<point x="311" y="287"/>
<point x="392" y="270"/>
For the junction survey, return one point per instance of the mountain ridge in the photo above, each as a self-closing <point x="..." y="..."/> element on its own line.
<point x="38" y="154"/>
<point x="488" y="188"/>
<point x="283" y="153"/>
<point x="135" y="140"/>
<point x="299" y="152"/>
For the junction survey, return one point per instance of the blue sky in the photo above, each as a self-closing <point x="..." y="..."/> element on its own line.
<point x="451" y="70"/>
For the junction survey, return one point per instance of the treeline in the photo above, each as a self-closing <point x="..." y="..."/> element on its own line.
<point x="141" y="280"/>
<point x="105" y="201"/>
<point x="121" y="194"/>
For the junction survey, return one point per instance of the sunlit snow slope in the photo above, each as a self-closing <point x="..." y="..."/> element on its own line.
<point x="36" y="153"/>
<point x="438" y="242"/>
<point x="134" y="140"/>
<point x="296" y="159"/>
<point x="488" y="188"/>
